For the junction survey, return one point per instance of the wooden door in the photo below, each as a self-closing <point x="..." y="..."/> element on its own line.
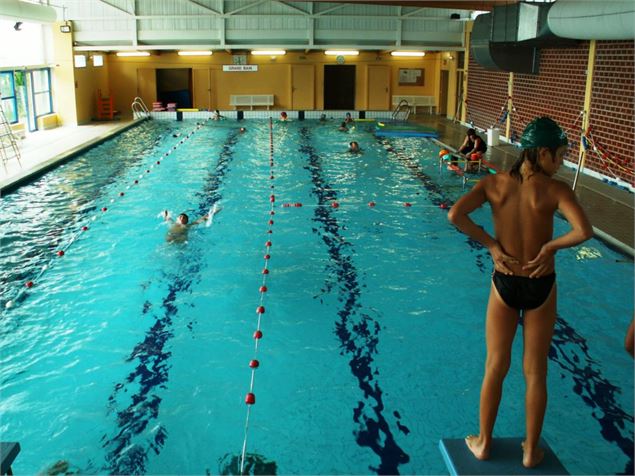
<point x="378" y="88"/>
<point x="443" y="92"/>
<point x="302" y="87"/>
<point x="147" y="85"/>
<point x="201" y="89"/>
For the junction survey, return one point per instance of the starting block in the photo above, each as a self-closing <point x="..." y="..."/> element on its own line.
<point x="506" y="456"/>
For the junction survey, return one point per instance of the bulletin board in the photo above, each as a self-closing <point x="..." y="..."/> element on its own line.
<point x="411" y="77"/>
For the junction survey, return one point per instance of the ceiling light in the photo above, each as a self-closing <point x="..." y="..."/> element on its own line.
<point x="133" y="53"/>
<point x="195" y="53"/>
<point x="342" y="52"/>
<point x="268" y="52"/>
<point x="408" y="53"/>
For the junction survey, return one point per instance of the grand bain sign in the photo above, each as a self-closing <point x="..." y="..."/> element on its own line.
<point x="240" y="67"/>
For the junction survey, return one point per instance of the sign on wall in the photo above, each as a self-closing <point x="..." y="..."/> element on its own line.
<point x="411" y="77"/>
<point x="240" y="67"/>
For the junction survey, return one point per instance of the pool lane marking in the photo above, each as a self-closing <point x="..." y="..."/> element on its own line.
<point x="29" y="284"/>
<point x="128" y="455"/>
<point x="358" y="332"/>
<point x="254" y="363"/>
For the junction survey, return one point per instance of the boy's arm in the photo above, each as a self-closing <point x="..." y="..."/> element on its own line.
<point x="167" y="217"/>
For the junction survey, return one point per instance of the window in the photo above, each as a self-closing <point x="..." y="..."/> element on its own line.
<point x="41" y="80"/>
<point x="80" y="61"/>
<point x="7" y="92"/>
<point x="98" y="60"/>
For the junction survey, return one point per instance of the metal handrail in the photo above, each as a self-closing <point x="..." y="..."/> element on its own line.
<point x="398" y="109"/>
<point x="139" y="108"/>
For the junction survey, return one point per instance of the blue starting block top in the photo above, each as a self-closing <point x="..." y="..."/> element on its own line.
<point x="506" y="458"/>
<point x="8" y="452"/>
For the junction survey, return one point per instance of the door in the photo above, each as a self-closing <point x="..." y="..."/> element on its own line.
<point x="379" y="88"/>
<point x="147" y="85"/>
<point x="302" y="87"/>
<point x="174" y="85"/>
<point x="201" y="89"/>
<point x="339" y="87"/>
<point x="443" y="92"/>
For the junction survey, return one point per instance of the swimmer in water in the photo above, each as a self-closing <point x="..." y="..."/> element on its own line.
<point x="354" y="147"/>
<point x="180" y="227"/>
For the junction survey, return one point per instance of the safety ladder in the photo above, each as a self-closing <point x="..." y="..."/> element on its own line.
<point x="402" y="111"/>
<point x="105" y="107"/>
<point x="139" y="108"/>
<point x="8" y="144"/>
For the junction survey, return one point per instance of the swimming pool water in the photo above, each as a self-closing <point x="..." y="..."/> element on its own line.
<point x="130" y="355"/>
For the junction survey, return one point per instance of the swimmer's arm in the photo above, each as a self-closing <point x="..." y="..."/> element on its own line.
<point x="581" y="230"/>
<point x="205" y="217"/>
<point x="459" y="217"/>
<point x="167" y="217"/>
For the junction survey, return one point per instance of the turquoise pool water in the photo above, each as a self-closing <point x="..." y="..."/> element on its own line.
<point x="130" y="355"/>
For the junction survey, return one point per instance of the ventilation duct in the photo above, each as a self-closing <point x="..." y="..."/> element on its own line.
<point x="502" y="55"/>
<point x="27" y="12"/>
<point x="584" y="20"/>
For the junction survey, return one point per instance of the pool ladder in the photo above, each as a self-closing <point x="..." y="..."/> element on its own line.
<point x="139" y="108"/>
<point x="8" y="144"/>
<point x="402" y="111"/>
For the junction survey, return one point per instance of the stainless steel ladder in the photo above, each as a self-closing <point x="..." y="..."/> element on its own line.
<point x="8" y="144"/>
<point x="402" y="111"/>
<point x="139" y="108"/>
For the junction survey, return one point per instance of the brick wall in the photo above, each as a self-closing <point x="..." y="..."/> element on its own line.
<point x="612" y="116"/>
<point x="558" y="91"/>
<point x="486" y="95"/>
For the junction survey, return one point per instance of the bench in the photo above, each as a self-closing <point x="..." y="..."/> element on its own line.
<point x="251" y="100"/>
<point x="414" y="101"/>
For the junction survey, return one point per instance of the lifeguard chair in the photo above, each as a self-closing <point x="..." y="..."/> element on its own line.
<point x="105" y="107"/>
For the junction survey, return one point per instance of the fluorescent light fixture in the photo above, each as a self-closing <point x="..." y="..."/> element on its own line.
<point x="408" y="53"/>
<point x="268" y="52"/>
<point x="341" y="52"/>
<point x="133" y="53"/>
<point x="195" y="53"/>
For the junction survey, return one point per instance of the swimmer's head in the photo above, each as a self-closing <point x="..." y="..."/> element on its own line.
<point x="348" y="115"/>
<point x="354" y="145"/>
<point x="242" y="129"/>
<point x="544" y="146"/>
<point x="283" y="115"/>
<point x="182" y="219"/>
<point x="543" y="132"/>
<point x="471" y="133"/>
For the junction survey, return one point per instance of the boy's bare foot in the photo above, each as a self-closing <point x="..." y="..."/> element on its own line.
<point x="477" y="446"/>
<point x="532" y="458"/>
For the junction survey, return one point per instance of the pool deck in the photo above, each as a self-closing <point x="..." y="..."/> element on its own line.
<point x="610" y="209"/>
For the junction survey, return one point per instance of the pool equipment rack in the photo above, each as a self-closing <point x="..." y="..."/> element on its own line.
<point x="8" y="145"/>
<point x="8" y="453"/>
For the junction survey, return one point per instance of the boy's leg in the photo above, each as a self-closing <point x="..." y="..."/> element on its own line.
<point x="538" y="327"/>
<point x="500" y="328"/>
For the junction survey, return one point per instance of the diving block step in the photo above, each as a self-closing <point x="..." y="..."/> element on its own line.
<point x="8" y="452"/>
<point x="506" y="457"/>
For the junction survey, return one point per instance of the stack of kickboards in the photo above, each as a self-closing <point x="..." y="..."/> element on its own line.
<point x="172" y="106"/>
<point x="157" y="106"/>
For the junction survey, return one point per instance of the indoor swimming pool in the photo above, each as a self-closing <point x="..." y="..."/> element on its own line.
<point x="123" y="353"/>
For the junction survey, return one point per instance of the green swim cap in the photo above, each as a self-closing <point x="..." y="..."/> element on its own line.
<point x="543" y="132"/>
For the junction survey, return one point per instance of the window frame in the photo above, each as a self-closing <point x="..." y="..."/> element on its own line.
<point x="12" y="98"/>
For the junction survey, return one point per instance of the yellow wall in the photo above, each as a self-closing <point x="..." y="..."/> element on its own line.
<point x="87" y="81"/>
<point x="273" y="77"/>
<point x="62" y="77"/>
